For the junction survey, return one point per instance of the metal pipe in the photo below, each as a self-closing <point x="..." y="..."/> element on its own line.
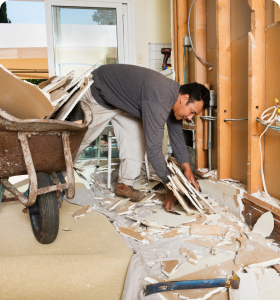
<point x="229" y="120"/>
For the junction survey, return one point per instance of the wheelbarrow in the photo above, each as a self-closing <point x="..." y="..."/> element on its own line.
<point x="39" y="148"/>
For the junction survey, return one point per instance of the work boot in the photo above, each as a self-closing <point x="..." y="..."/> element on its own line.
<point x="127" y="191"/>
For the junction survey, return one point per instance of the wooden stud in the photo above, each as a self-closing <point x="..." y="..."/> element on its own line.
<point x="256" y="93"/>
<point x="199" y="39"/>
<point x="175" y="38"/>
<point x="223" y="87"/>
<point x="182" y="18"/>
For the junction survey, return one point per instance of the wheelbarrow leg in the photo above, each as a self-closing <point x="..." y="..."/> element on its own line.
<point x="2" y="191"/>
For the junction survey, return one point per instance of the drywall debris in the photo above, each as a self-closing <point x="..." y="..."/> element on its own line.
<point x="163" y="218"/>
<point x="268" y="283"/>
<point x="206" y="229"/>
<point x="205" y="262"/>
<point x="214" y="217"/>
<point x="253" y="253"/>
<point x="190" y="256"/>
<point x="22" y="99"/>
<point x="134" y="235"/>
<point x="73" y="99"/>
<point x="146" y="199"/>
<point x="126" y="208"/>
<point x="248" y="288"/>
<point x="146" y="187"/>
<point x="265" y="264"/>
<point x="169" y="266"/>
<point x="171" y="233"/>
<point x="82" y="212"/>
<point x="265" y="224"/>
<point x="203" y="243"/>
<point x="257" y="237"/>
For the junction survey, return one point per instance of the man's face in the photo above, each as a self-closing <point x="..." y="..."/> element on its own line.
<point x="184" y="110"/>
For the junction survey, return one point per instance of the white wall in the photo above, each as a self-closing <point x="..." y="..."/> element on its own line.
<point x="152" y="25"/>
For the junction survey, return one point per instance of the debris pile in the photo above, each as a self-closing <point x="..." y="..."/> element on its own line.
<point x="58" y="95"/>
<point x="198" y="240"/>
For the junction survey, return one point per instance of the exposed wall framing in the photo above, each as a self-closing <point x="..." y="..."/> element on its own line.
<point x="223" y="87"/>
<point x="256" y="92"/>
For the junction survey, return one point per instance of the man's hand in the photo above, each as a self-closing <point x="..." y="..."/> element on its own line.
<point x="169" y="200"/>
<point x="189" y="175"/>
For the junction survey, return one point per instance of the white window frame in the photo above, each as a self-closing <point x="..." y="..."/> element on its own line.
<point x="126" y="33"/>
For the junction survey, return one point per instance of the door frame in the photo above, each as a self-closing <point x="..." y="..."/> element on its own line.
<point x="126" y="33"/>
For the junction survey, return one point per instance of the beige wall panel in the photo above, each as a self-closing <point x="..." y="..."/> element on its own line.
<point x="240" y="19"/>
<point x="269" y="12"/>
<point x="152" y="25"/>
<point x="211" y="24"/>
<point x="239" y="108"/>
<point x="212" y="80"/>
<point x="272" y="137"/>
<point x="159" y="15"/>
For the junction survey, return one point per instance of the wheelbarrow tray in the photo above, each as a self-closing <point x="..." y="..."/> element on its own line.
<point x="44" y="139"/>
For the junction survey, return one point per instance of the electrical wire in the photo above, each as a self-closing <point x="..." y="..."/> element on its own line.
<point x="201" y="59"/>
<point x="271" y="119"/>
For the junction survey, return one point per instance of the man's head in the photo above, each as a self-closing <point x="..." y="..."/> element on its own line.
<point x="192" y="98"/>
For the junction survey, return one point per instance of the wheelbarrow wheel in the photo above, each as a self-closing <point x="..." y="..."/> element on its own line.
<point x="44" y="214"/>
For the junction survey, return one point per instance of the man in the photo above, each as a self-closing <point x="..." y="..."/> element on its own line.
<point x="138" y="102"/>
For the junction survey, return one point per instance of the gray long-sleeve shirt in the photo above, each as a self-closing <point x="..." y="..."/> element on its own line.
<point x="145" y="94"/>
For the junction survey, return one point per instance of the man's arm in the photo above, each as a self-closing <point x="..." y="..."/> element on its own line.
<point x="153" y="125"/>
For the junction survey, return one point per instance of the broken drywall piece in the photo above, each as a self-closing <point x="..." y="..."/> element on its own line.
<point x="214" y="217"/>
<point x="126" y="208"/>
<point x="205" y="262"/>
<point x="147" y="186"/>
<point x="248" y="288"/>
<point x="203" y="243"/>
<point x="253" y="253"/>
<point x="163" y="218"/>
<point x="82" y="212"/>
<point x="268" y="283"/>
<point x="264" y="225"/>
<point x="146" y="199"/>
<point x="134" y="235"/>
<point x="265" y="264"/>
<point x="206" y="229"/>
<point x="169" y="266"/>
<point x="65" y="109"/>
<point x="116" y="204"/>
<point x="257" y="237"/>
<point x="57" y="96"/>
<point x="171" y="233"/>
<point x="22" y="99"/>
<point x="190" y="256"/>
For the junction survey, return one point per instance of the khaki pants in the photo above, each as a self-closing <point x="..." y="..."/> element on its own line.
<point x="129" y="134"/>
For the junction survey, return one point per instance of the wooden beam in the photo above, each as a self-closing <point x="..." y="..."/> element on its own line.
<point x="223" y="87"/>
<point x="200" y="75"/>
<point x="182" y="17"/>
<point x="256" y="93"/>
<point x="175" y="38"/>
